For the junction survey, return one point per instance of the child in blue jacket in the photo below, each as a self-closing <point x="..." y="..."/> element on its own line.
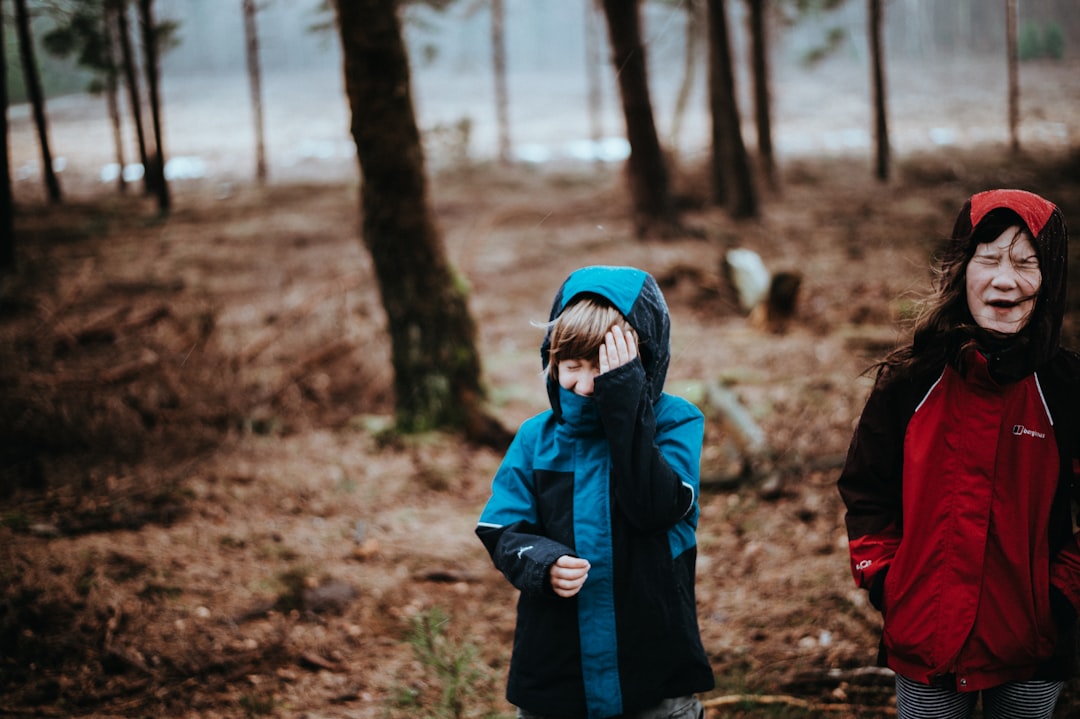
<point x="593" y="514"/>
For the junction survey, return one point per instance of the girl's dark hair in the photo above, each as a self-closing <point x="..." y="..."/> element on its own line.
<point x="944" y="324"/>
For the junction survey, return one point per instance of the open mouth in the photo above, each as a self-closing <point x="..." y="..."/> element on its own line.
<point x="1003" y="304"/>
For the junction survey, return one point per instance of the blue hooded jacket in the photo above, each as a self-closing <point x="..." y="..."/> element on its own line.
<point x="612" y="478"/>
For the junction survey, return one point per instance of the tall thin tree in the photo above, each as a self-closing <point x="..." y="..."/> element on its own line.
<point x="498" y="65"/>
<point x="694" y="24"/>
<point x="112" y="90"/>
<point x="251" y="45"/>
<point x="112" y="87"/>
<point x="119" y="10"/>
<point x="1012" y="49"/>
<point x="7" y="204"/>
<point x="732" y="179"/>
<point x="37" y="97"/>
<point x="594" y="86"/>
<point x="650" y="188"/>
<point x="759" y="63"/>
<point x="437" y="371"/>
<point x="875" y="20"/>
<point x="151" y="47"/>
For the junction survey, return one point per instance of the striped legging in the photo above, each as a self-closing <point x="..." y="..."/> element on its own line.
<point x="1014" y="700"/>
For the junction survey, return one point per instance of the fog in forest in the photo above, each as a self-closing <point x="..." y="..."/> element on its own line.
<point x="942" y="60"/>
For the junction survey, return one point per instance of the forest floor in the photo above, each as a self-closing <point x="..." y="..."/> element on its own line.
<point x="203" y="513"/>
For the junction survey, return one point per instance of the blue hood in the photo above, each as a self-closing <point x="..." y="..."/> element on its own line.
<point x="637" y="296"/>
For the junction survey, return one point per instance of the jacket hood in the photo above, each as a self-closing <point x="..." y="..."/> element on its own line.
<point x="1046" y="223"/>
<point x="637" y="296"/>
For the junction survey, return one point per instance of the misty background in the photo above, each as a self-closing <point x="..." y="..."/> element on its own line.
<point x="946" y="78"/>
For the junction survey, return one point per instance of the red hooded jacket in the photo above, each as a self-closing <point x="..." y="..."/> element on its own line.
<point x="958" y="486"/>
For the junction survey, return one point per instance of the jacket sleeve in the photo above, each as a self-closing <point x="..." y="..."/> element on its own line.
<point x="870" y="486"/>
<point x="1065" y="565"/>
<point x="655" y="472"/>
<point x="509" y="525"/>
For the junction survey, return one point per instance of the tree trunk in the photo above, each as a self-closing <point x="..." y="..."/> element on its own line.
<point x="881" y="125"/>
<point x="7" y="204"/>
<point x="691" y="49"/>
<point x="251" y="35"/>
<point x="648" y="175"/>
<point x="759" y="61"/>
<point x="592" y="75"/>
<point x="112" y="88"/>
<point x="131" y="79"/>
<point x="732" y="181"/>
<point x="498" y="65"/>
<point x="37" y="97"/>
<point x="437" y="373"/>
<point x="1014" y="74"/>
<point x="150" y="54"/>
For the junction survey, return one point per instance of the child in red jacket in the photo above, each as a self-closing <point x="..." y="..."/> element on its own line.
<point x="961" y="470"/>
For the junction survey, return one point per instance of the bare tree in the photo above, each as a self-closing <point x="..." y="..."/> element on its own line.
<point x="37" y="97"/>
<point x="593" y="42"/>
<point x="498" y="64"/>
<point x="7" y="204"/>
<point x="1011" y="46"/>
<point x="118" y="10"/>
<point x="86" y="32"/>
<point x="695" y="15"/>
<point x="648" y="174"/>
<point x="150" y="41"/>
<point x="251" y="37"/>
<point x="875" y="20"/>
<point x="732" y="180"/>
<point x="437" y="372"/>
<point x="759" y="62"/>
<point x="112" y="88"/>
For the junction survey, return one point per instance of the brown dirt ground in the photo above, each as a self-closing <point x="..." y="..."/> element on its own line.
<point x="204" y="514"/>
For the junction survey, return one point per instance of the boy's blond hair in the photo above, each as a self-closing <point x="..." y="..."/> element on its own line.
<point x="579" y="330"/>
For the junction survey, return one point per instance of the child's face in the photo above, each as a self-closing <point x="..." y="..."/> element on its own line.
<point x="577" y="375"/>
<point x="1003" y="281"/>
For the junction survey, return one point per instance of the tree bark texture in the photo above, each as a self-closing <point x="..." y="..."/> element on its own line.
<point x="153" y="74"/>
<point x="251" y="46"/>
<point x="37" y="97"/>
<point x="7" y="204"/>
<point x="732" y="180"/>
<point x="881" y="125"/>
<point x="648" y="175"/>
<point x="433" y="346"/>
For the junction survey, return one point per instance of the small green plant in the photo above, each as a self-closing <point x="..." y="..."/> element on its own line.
<point x="1035" y="42"/>
<point x="16" y="521"/>
<point x="1029" y="42"/>
<point x="292" y="582"/>
<point x="1053" y="41"/>
<point x="451" y="664"/>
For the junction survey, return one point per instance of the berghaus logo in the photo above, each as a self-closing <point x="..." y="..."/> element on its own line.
<point x="1020" y="430"/>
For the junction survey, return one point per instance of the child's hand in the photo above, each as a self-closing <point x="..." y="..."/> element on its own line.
<point x="568" y="574"/>
<point x="619" y="348"/>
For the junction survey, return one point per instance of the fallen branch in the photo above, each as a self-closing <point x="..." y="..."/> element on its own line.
<point x="735" y="699"/>
<point x="129" y="370"/>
